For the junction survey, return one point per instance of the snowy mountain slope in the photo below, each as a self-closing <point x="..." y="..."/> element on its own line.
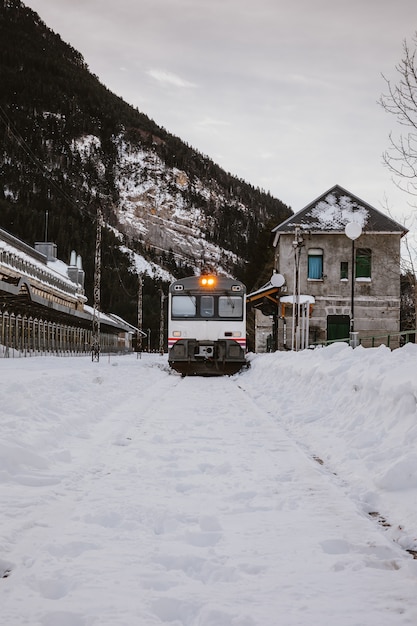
<point x="69" y="145"/>
<point x="153" y="209"/>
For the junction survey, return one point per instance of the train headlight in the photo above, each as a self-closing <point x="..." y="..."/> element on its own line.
<point x="207" y="281"/>
<point x="176" y="333"/>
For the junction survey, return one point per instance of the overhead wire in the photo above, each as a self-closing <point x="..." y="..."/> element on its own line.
<point x="22" y="143"/>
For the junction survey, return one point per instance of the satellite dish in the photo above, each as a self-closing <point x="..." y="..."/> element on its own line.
<point x="353" y="230"/>
<point x="277" y="280"/>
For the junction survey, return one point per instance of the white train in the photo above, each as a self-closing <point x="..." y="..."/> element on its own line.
<point x="207" y="325"/>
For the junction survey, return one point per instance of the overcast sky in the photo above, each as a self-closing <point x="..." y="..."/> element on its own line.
<point x="282" y="94"/>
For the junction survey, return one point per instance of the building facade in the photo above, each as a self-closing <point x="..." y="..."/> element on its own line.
<point x="43" y="306"/>
<point x="340" y="259"/>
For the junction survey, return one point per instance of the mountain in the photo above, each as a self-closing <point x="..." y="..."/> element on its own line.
<point x="69" y="146"/>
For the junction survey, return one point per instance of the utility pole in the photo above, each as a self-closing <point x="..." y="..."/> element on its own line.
<point x="95" y="348"/>
<point x="353" y="230"/>
<point x="161" y="325"/>
<point x="140" y="312"/>
<point x="297" y="245"/>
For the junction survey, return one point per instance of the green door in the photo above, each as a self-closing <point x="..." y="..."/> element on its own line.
<point x="338" y="327"/>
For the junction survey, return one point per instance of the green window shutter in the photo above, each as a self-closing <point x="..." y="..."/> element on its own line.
<point x="363" y="263"/>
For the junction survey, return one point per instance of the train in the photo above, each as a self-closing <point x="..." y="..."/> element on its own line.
<point x="207" y="325"/>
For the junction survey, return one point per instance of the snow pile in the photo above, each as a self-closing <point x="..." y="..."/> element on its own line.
<point x="357" y="411"/>
<point x="133" y="497"/>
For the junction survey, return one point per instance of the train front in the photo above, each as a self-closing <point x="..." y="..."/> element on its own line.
<point x="207" y="325"/>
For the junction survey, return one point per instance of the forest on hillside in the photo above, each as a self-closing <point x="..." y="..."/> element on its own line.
<point x="49" y="99"/>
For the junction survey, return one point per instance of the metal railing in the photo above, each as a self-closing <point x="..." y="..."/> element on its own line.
<point x="394" y="340"/>
<point x="22" y="335"/>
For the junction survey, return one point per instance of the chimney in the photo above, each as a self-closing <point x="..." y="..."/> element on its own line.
<point x="47" y="248"/>
<point x="75" y="270"/>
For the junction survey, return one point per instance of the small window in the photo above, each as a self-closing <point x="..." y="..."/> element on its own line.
<point x="315" y="264"/>
<point x="231" y="306"/>
<point x="344" y="270"/>
<point x="207" y="306"/>
<point x="183" y="306"/>
<point x="363" y="263"/>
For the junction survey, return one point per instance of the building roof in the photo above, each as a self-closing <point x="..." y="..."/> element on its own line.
<point x="330" y="213"/>
<point x="271" y="289"/>
<point x="25" y="265"/>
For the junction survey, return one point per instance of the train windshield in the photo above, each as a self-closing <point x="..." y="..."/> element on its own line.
<point x="230" y="306"/>
<point x="184" y="306"/>
<point x="207" y="307"/>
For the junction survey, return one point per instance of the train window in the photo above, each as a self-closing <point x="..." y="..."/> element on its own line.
<point x="207" y="306"/>
<point x="183" y="306"/>
<point x="231" y="306"/>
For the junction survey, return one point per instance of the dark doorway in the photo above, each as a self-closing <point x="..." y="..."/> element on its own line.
<point x="338" y="327"/>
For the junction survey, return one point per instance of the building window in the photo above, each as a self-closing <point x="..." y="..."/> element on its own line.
<point x="344" y="270"/>
<point x="315" y="264"/>
<point x="363" y="263"/>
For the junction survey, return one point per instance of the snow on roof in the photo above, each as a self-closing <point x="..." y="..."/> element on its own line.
<point x="302" y="299"/>
<point x="332" y="212"/>
<point x="52" y="270"/>
<point x="336" y="208"/>
<point x="109" y="318"/>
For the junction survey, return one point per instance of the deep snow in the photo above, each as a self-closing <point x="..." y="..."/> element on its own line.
<point x="285" y="495"/>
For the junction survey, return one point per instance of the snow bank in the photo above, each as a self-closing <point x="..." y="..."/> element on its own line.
<point x="356" y="410"/>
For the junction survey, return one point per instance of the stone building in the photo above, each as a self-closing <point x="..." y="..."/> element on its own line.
<point x="339" y="279"/>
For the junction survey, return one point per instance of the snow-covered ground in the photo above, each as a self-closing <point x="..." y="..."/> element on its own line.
<point x="283" y="496"/>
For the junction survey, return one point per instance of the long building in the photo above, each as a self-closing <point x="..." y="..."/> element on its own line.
<point x="43" y="307"/>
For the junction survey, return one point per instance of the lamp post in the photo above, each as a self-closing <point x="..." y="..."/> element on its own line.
<point x="353" y="230"/>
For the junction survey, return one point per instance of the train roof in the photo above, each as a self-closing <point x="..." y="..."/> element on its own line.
<point x="221" y="283"/>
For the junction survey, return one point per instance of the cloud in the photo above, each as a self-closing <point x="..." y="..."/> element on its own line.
<point x="169" y="78"/>
<point x="210" y="122"/>
<point x="282" y="94"/>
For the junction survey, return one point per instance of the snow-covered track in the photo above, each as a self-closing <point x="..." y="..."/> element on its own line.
<point x="170" y="500"/>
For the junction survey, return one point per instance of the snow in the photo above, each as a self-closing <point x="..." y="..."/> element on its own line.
<point x="332" y="213"/>
<point x="142" y="266"/>
<point x="284" y="495"/>
<point x="86" y="145"/>
<point x="153" y="210"/>
<point x="29" y="266"/>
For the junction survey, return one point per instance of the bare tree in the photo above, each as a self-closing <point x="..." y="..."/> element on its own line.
<point x="408" y="289"/>
<point x="401" y="101"/>
<point x="401" y="156"/>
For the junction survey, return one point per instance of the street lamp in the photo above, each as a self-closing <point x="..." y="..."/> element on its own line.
<point x="353" y="230"/>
